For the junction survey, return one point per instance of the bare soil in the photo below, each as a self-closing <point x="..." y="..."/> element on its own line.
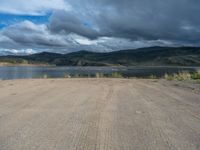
<point x="99" y="114"/>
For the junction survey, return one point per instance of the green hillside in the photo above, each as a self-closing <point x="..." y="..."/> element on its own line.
<point x="153" y="56"/>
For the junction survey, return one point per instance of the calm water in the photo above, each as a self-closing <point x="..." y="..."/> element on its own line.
<point x="57" y="72"/>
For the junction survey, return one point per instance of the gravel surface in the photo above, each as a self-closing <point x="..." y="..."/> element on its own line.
<point x="98" y="114"/>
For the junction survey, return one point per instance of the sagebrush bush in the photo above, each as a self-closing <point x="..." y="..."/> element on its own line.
<point x="116" y="75"/>
<point x="196" y="76"/>
<point x="168" y="77"/>
<point x="183" y="76"/>
<point x="99" y="75"/>
<point x="67" y="75"/>
<point x="153" y="77"/>
<point x="45" y="76"/>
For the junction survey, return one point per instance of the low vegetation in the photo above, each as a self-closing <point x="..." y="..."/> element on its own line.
<point x="116" y="75"/>
<point x="183" y="76"/>
<point x="153" y="77"/>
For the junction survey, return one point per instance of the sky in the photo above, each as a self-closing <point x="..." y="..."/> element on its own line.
<point x="63" y="26"/>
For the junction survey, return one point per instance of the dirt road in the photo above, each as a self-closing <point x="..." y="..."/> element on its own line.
<point x="98" y="114"/>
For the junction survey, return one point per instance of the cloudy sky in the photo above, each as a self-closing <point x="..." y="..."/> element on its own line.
<point x="28" y="26"/>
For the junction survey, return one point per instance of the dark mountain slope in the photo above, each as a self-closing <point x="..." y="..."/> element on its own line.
<point x="152" y="56"/>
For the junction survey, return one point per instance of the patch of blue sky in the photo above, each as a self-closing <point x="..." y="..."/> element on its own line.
<point x="9" y="19"/>
<point x="2" y="25"/>
<point x="88" y="24"/>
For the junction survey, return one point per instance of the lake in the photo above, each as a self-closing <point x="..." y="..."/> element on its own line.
<point x="27" y="72"/>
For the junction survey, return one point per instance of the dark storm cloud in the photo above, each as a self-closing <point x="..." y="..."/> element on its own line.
<point x="62" y="21"/>
<point x="133" y="19"/>
<point x="104" y="25"/>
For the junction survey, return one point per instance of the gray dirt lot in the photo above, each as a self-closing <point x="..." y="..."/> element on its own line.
<point x="99" y="114"/>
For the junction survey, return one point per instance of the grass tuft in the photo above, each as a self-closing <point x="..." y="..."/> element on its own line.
<point x="152" y="77"/>
<point x="116" y="75"/>
<point x="45" y="76"/>
<point x="67" y="75"/>
<point x="99" y="75"/>
<point x="183" y="76"/>
<point x="196" y="76"/>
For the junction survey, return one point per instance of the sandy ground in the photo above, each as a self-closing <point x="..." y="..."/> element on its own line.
<point x="98" y="114"/>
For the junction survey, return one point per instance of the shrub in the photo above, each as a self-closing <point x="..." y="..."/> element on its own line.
<point x="168" y="77"/>
<point x="183" y="76"/>
<point x="196" y="76"/>
<point x="99" y="75"/>
<point x="152" y="77"/>
<point x="45" y="76"/>
<point x="116" y="75"/>
<point x="67" y="75"/>
<point x="76" y="75"/>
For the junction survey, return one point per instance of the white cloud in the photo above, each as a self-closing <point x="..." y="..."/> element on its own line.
<point x="22" y="51"/>
<point x="27" y="33"/>
<point x="27" y="38"/>
<point x="84" y="40"/>
<point x="32" y="7"/>
<point x="17" y="51"/>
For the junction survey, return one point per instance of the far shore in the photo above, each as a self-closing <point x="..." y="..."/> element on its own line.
<point x="5" y="64"/>
<point x="16" y="65"/>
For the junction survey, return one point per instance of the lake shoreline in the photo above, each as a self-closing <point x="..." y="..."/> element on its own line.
<point x="32" y="71"/>
<point x="4" y="64"/>
<point x="24" y="65"/>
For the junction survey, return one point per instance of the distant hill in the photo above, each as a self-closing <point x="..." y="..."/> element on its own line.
<point x="152" y="56"/>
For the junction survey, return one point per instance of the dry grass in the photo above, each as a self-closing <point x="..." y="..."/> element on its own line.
<point x="183" y="76"/>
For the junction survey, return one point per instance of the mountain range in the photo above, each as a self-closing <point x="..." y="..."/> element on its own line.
<point x="151" y="56"/>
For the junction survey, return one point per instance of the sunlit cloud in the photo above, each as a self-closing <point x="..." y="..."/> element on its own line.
<point x="32" y="7"/>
